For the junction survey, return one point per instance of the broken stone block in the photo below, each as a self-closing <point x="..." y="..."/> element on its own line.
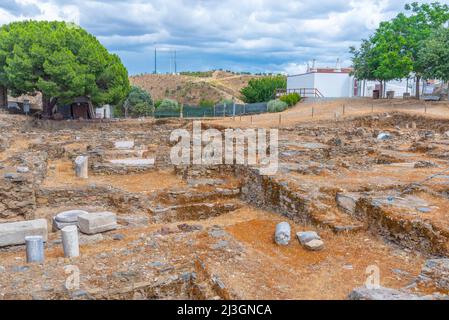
<point x="282" y="234"/>
<point x="81" y="167"/>
<point x="97" y="222"/>
<point x="305" y="237"/>
<point x="363" y="293"/>
<point x="314" y="245"/>
<point x="347" y="202"/>
<point x="124" y="145"/>
<point x="310" y="240"/>
<point x="14" y="233"/>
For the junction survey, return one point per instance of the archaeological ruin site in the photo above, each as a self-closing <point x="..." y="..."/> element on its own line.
<point x="358" y="200"/>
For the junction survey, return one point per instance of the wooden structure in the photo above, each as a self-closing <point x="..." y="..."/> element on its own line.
<point x="80" y="108"/>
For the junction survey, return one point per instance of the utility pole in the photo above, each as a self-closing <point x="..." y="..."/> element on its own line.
<point x="155" y="60"/>
<point x="176" y="69"/>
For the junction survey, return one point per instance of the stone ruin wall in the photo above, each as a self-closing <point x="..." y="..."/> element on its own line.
<point x="17" y="197"/>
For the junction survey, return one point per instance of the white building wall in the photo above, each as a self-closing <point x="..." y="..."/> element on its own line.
<point x="398" y="86"/>
<point x="331" y="85"/>
<point x="334" y="85"/>
<point x="306" y="80"/>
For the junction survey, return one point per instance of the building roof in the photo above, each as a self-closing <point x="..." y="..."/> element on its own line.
<point x="325" y="70"/>
<point x="332" y="70"/>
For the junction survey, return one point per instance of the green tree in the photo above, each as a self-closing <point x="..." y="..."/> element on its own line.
<point x="434" y="56"/>
<point x="388" y="60"/>
<point x="169" y="105"/>
<point x="393" y="51"/>
<point x="60" y="60"/>
<point x="139" y="103"/>
<point x="263" y="89"/>
<point x="362" y="61"/>
<point x="417" y="27"/>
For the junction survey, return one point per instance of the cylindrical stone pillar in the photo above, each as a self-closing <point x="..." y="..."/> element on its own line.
<point x="35" y="249"/>
<point x="70" y="241"/>
<point x="282" y="234"/>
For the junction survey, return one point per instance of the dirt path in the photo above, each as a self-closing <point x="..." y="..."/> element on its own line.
<point x="309" y="112"/>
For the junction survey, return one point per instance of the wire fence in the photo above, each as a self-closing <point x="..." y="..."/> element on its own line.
<point x="219" y="110"/>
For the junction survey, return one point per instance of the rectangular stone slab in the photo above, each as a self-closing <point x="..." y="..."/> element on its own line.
<point x="97" y="222"/>
<point x="133" y="162"/>
<point x="124" y="145"/>
<point x="14" y="233"/>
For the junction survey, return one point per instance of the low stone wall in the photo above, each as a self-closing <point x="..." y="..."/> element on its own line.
<point x="415" y="234"/>
<point x="119" y="200"/>
<point x="268" y="193"/>
<point x="17" y="197"/>
<point x="111" y="169"/>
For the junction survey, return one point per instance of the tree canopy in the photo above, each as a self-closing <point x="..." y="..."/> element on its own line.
<point x="60" y="60"/>
<point x="139" y="103"/>
<point x="434" y="56"/>
<point x="263" y="89"/>
<point x="392" y="52"/>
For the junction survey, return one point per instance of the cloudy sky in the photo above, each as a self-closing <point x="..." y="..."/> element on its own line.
<point x="240" y="35"/>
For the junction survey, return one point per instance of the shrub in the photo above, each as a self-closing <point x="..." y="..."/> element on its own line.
<point x="207" y="103"/>
<point x="291" y="99"/>
<point x="139" y="103"/>
<point x="277" y="106"/>
<point x="157" y="103"/>
<point x="228" y="102"/>
<point x="263" y="89"/>
<point x="169" y="105"/>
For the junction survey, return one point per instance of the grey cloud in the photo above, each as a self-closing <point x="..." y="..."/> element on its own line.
<point x="254" y="35"/>
<point x="17" y="8"/>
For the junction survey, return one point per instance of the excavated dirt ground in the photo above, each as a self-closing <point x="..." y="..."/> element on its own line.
<point x="208" y="234"/>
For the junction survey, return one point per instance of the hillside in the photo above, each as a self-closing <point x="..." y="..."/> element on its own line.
<point x="190" y="89"/>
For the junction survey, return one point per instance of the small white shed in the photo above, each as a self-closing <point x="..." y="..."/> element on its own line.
<point x="104" y="112"/>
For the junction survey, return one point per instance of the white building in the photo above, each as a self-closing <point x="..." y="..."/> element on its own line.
<point x="324" y="82"/>
<point x="339" y="83"/>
